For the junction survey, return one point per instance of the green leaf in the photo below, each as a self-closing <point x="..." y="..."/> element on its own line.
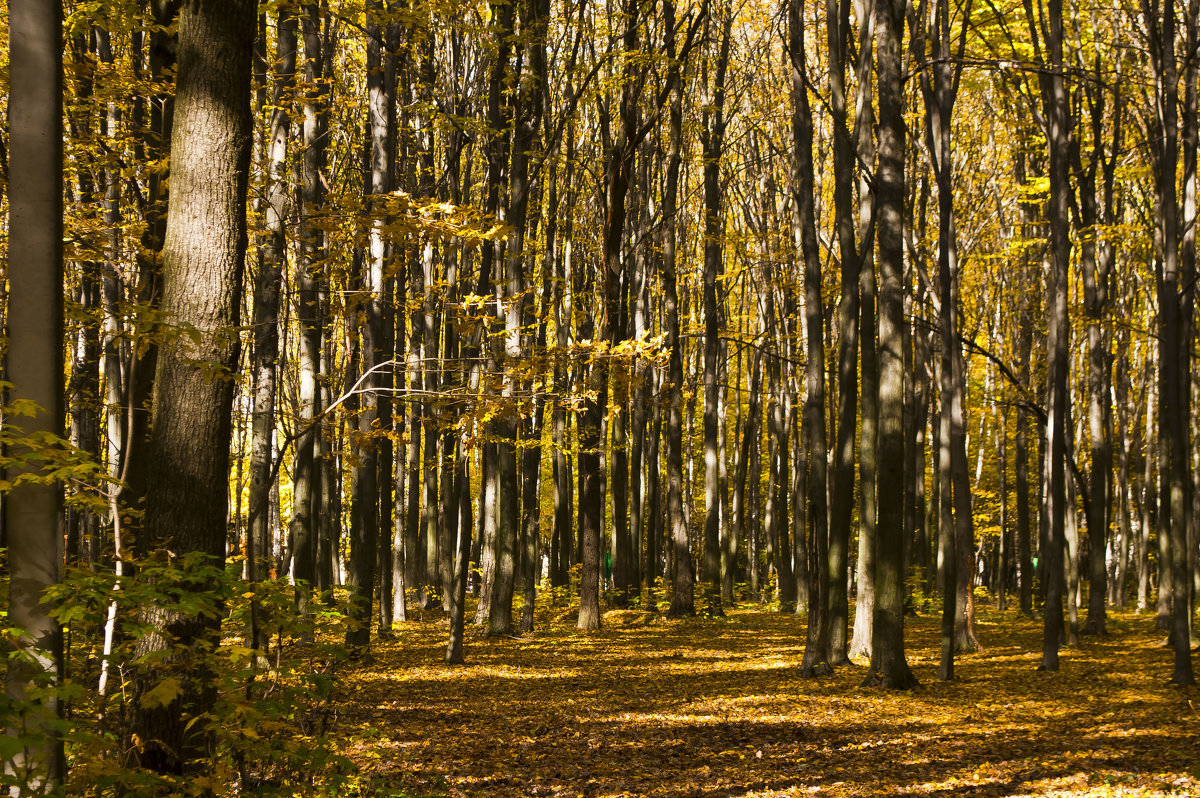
<point x="162" y="693"/>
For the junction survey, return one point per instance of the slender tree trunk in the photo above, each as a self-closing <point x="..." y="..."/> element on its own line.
<point x="266" y="320"/>
<point x="816" y="649"/>
<point x="776" y="514"/>
<point x="1174" y="325"/>
<point x="1024" y="343"/>
<point x="713" y="140"/>
<point x="387" y="350"/>
<point x="1095" y="263"/>
<point x="639" y="485"/>
<point x="82" y="522"/>
<point x="889" y="666"/>
<point x="682" y="600"/>
<point x="842" y="489"/>
<point x="1058" y="334"/>
<point x="306" y="479"/>
<point x="364" y="513"/>
<point x="1124" y="486"/>
<point x="864" y="606"/>
<point x="1149" y="493"/>
<point x="153" y="145"/>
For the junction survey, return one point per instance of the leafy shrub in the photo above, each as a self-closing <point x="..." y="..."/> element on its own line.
<point x="269" y="728"/>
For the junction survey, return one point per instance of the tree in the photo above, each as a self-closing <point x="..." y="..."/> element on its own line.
<point x="1056" y="113"/>
<point x="306" y="508"/>
<point x="956" y="530"/>
<point x="682" y="601"/>
<point x="837" y="21"/>
<point x="713" y="138"/>
<point x="816" y="648"/>
<point x="266" y="319"/>
<point x="868" y="511"/>
<point x="203" y="259"/>
<point x="33" y="508"/>
<point x="1174" y="327"/>
<point x="888" y="664"/>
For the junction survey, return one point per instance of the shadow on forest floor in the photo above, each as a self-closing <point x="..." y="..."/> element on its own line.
<point x="713" y="708"/>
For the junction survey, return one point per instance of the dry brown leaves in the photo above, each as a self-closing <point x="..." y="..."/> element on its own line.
<point x="718" y="708"/>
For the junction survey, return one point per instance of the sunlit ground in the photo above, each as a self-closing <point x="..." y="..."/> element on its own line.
<point x="718" y="708"/>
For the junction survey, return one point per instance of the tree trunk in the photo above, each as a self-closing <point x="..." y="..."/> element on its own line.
<point x="682" y="600"/>
<point x="154" y="144"/>
<point x="266" y="321"/>
<point x="1057" y="115"/>
<point x="462" y="554"/>
<point x="816" y="648"/>
<point x="778" y="487"/>
<point x="33" y="510"/>
<point x="842" y="490"/>
<point x="864" y="123"/>
<point x="889" y="667"/>
<point x="1174" y="325"/>
<point x="306" y="480"/>
<point x="203" y="258"/>
<point x="1023" y="345"/>
<point x="713" y="140"/>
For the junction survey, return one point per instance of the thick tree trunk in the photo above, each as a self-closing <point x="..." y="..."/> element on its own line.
<point x="203" y="258"/>
<point x="35" y="367"/>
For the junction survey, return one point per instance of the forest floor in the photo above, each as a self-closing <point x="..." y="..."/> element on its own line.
<point x="717" y="707"/>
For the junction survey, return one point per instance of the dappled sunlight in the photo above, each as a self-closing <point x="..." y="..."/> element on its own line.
<point x="719" y="708"/>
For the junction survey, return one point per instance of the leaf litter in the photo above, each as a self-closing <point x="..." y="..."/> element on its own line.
<point x="717" y="707"/>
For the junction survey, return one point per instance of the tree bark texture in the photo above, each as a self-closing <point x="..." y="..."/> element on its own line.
<point x="203" y="259"/>
<point x="33" y="511"/>
<point x="889" y="667"/>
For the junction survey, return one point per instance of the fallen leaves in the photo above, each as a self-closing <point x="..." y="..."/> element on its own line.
<point x="718" y="708"/>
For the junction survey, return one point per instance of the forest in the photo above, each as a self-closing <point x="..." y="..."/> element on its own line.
<point x="333" y="328"/>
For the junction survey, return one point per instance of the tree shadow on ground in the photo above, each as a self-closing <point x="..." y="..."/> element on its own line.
<point x="712" y="708"/>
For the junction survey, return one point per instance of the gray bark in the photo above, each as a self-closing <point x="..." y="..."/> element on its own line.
<point x="203" y="259"/>
<point x="889" y="666"/>
<point x="272" y="256"/>
<point x="35" y="368"/>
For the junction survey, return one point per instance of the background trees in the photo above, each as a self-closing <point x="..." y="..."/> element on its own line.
<point x="566" y="290"/>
